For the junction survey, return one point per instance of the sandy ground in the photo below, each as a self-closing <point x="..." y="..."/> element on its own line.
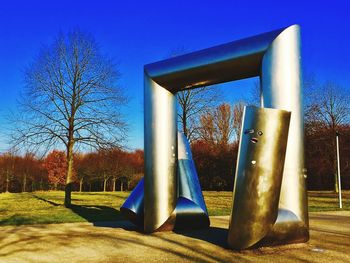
<point x="121" y="242"/>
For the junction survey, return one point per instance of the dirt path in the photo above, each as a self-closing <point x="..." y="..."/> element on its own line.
<point x="121" y="242"/>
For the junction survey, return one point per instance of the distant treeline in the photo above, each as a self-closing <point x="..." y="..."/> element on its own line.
<point x="108" y="170"/>
<point x="214" y="154"/>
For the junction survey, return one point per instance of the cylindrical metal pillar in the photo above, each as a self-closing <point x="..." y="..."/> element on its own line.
<point x="281" y="81"/>
<point x="160" y="156"/>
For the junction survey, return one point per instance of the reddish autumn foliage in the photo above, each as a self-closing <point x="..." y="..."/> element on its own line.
<point x="56" y="166"/>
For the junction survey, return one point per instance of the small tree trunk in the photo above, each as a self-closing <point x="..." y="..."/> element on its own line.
<point x="81" y="185"/>
<point x="41" y="184"/>
<point x="24" y="183"/>
<point x="7" y="181"/>
<point x="104" y="184"/>
<point x="121" y="186"/>
<point x="114" y="183"/>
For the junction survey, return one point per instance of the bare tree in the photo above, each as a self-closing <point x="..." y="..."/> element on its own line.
<point x="238" y="109"/>
<point x="207" y="128"/>
<point x="327" y="108"/>
<point x="71" y="98"/>
<point x="223" y="119"/>
<point x="217" y="125"/>
<point x="192" y="104"/>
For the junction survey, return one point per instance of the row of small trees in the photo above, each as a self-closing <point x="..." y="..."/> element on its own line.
<point x="96" y="171"/>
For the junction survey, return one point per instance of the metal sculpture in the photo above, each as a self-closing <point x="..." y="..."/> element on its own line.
<point x="275" y="58"/>
<point x="258" y="179"/>
<point x="190" y="211"/>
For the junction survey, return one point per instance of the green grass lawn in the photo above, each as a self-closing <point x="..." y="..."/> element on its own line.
<point x="47" y="207"/>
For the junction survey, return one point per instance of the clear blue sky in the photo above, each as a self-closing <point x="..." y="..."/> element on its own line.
<point x="135" y="33"/>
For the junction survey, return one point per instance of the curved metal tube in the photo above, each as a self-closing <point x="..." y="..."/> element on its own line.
<point x="133" y="205"/>
<point x="232" y="61"/>
<point x="190" y="211"/>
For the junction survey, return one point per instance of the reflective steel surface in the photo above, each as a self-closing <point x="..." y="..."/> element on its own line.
<point x="160" y="156"/>
<point x="133" y="205"/>
<point x="190" y="211"/>
<point x="258" y="177"/>
<point x="232" y="61"/>
<point x="275" y="57"/>
<point x="281" y="81"/>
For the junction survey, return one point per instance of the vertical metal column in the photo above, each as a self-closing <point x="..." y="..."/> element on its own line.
<point x="160" y="156"/>
<point x="281" y="81"/>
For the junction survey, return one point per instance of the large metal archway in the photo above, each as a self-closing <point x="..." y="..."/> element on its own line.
<point x="275" y="58"/>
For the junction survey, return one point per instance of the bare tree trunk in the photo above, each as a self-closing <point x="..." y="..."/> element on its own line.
<point x="81" y="184"/>
<point x="69" y="179"/>
<point x="121" y="186"/>
<point x="24" y="183"/>
<point x="104" y="184"/>
<point x="7" y="181"/>
<point x="184" y="123"/>
<point x="114" y="183"/>
<point x="41" y="184"/>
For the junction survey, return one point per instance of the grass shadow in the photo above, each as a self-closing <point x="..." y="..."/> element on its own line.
<point x="16" y="220"/>
<point x="45" y="200"/>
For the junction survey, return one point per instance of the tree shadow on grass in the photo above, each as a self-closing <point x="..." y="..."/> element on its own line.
<point x="16" y="220"/>
<point x="45" y="200"/>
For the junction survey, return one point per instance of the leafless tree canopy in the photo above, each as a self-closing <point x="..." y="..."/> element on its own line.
<point x="328" y="105"/>
<point x="193" y="103"/>
<point x="327" y="109"/>
<point x="70" y="97"/>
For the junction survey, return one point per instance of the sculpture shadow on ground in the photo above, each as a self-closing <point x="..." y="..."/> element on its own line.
<point x="96" y="213"/>
<point x="213" y="235"/>
<point x="103" y="216"/>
